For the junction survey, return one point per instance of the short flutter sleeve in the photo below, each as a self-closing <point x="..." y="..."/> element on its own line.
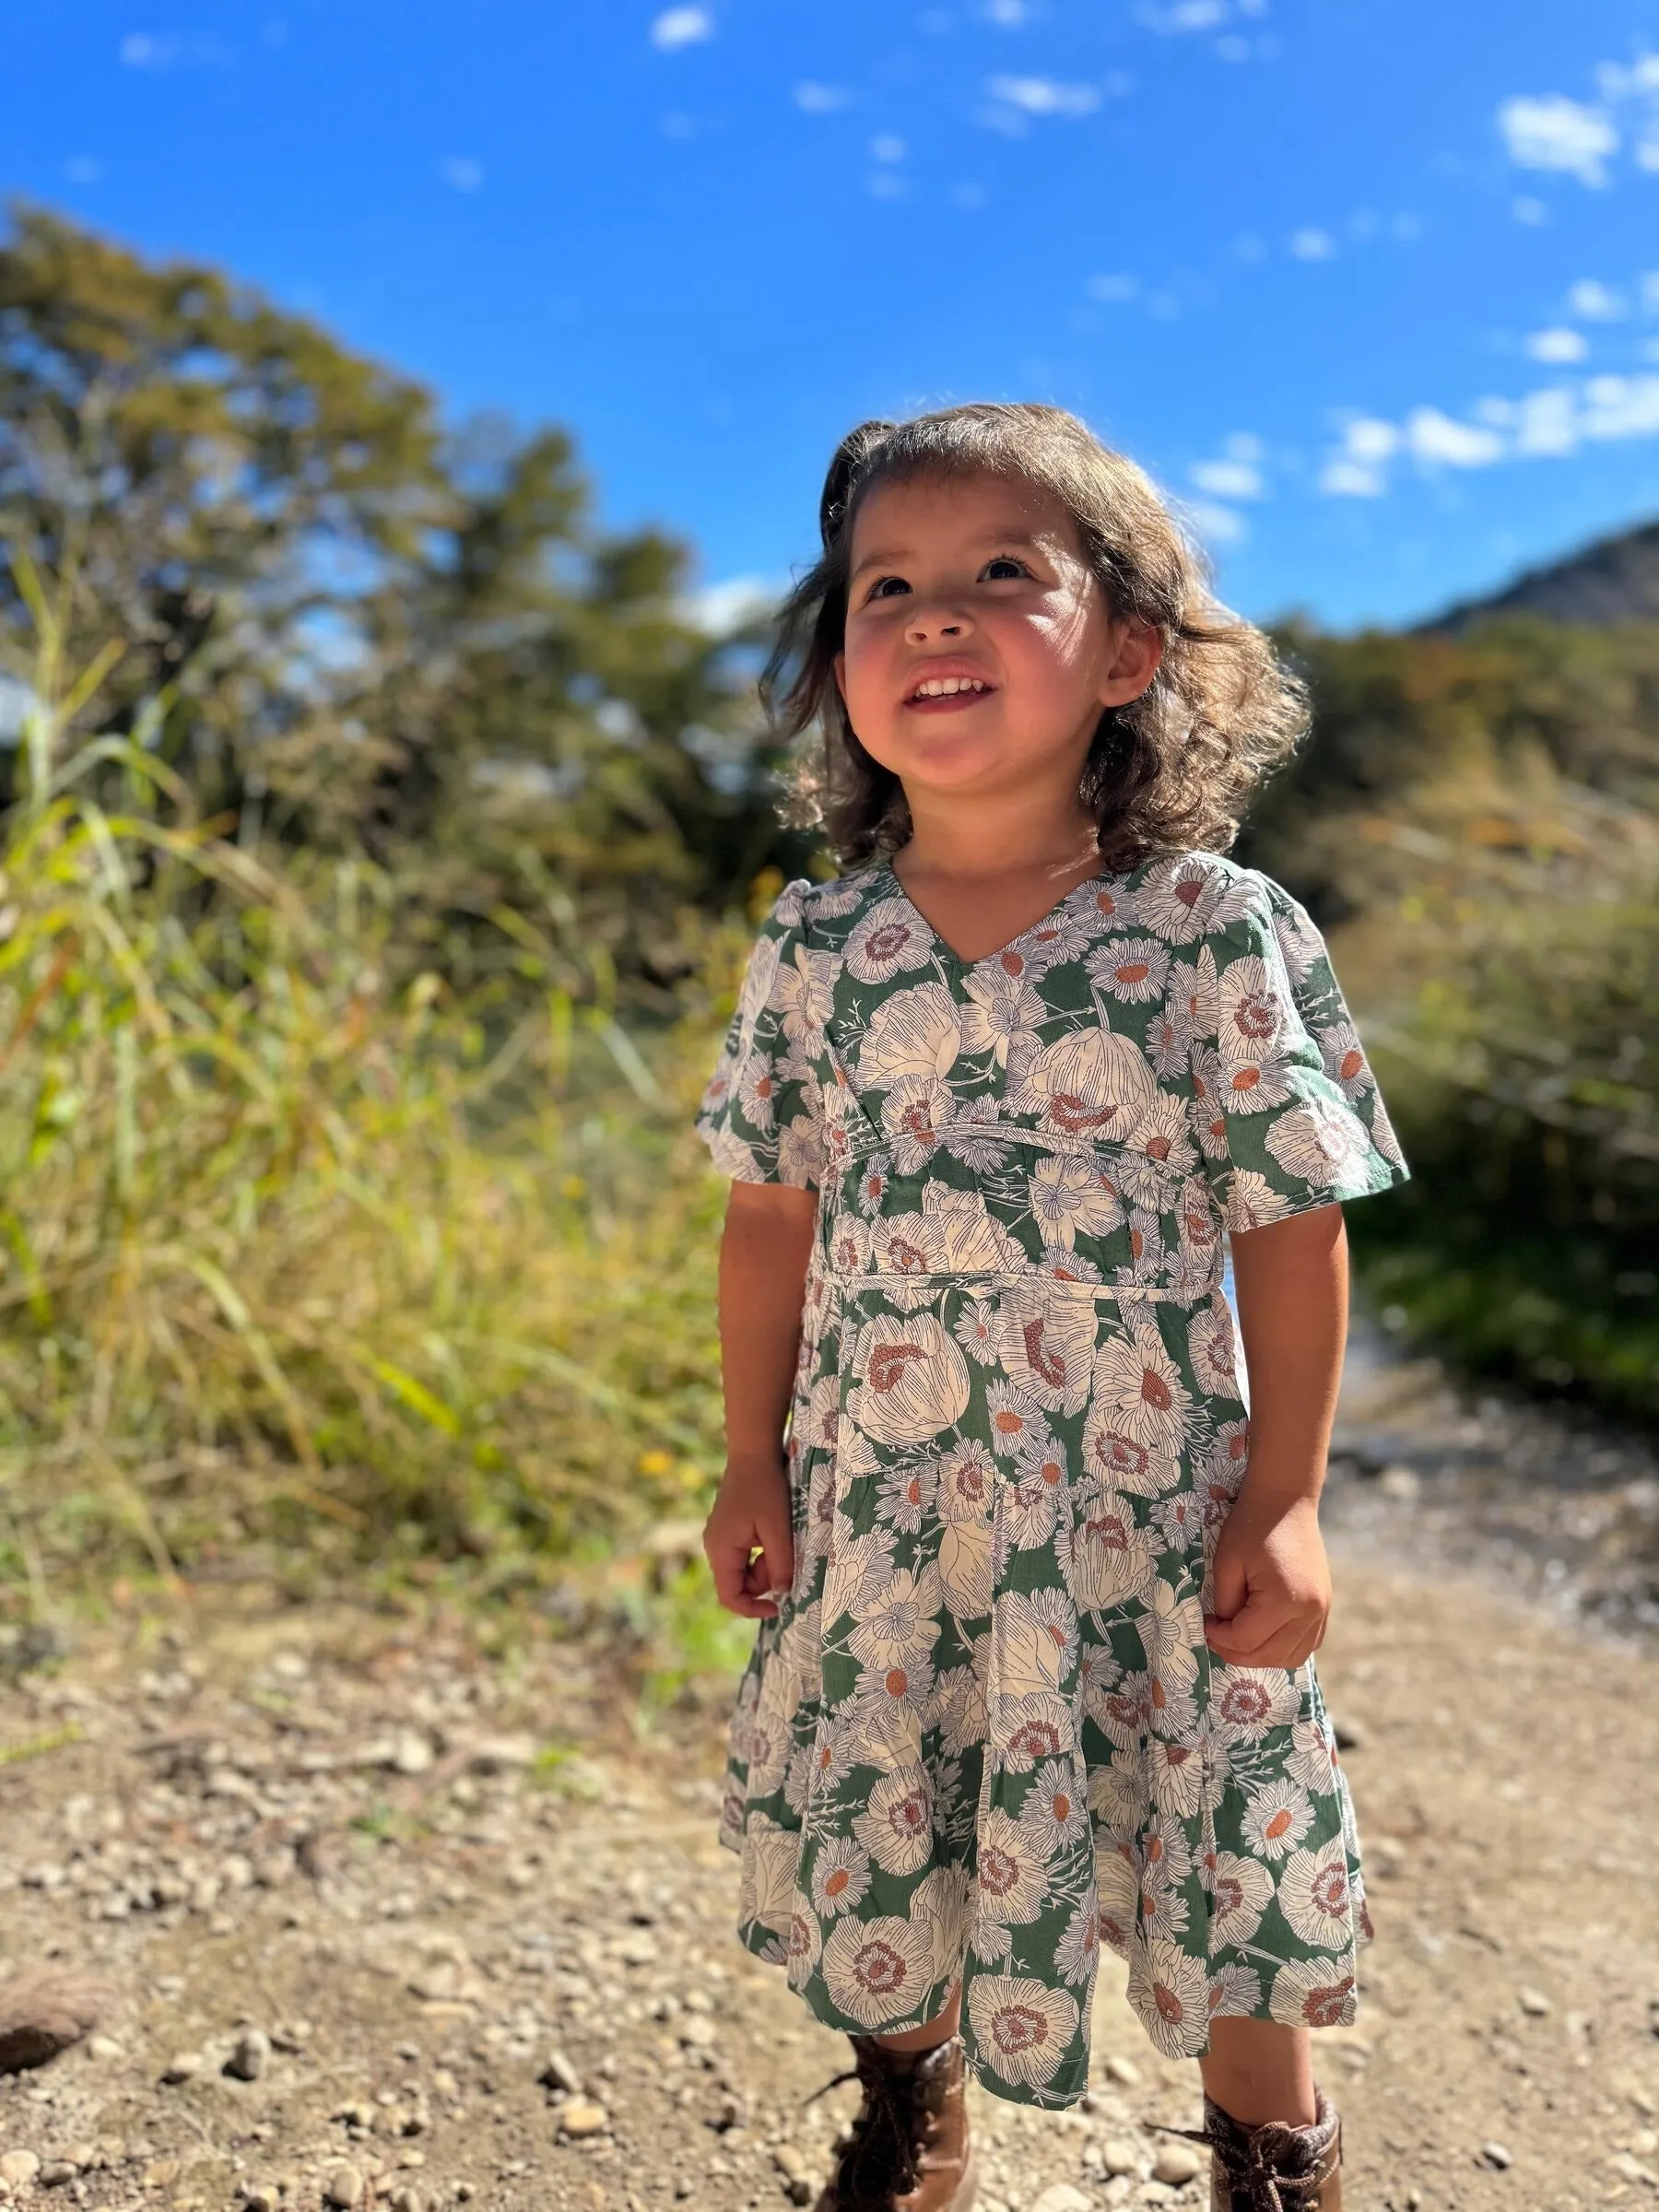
<point x="761" y="1112"/>
<point x="1286" y="1109"/>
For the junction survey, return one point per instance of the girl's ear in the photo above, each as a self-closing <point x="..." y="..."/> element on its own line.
<point x="1134" y="665"/>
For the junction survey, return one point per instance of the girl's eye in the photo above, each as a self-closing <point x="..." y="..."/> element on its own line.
<point x="879" y="589"/>
<point x="1004" y="568"/>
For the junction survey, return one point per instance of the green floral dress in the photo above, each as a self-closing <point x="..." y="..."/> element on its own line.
<point x="985" y="1733"/>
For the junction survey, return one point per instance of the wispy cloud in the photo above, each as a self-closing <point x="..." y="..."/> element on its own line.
<point x="1229" y="479"/>
<point x="1554" y="421"/>
<point x="815" y="99"/>
<point x="462" y="174"/>
<point x="1559" y="133"/>
<point x="1313" y="246"/>
<point x="1559" y="345"/>
<point x="1042" y="96"/>
<point x="1594" y="302"/>
<point x="677" y="26"/>
<point x="163" y="50"/>
<point x="1009" y="14"/>
<point x="886" y="146"/>
<point x="1215" y="524"/>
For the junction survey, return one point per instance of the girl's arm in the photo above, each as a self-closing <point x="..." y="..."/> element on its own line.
<point x="763" y="1257"/>
<point x="1271" y="1579"/>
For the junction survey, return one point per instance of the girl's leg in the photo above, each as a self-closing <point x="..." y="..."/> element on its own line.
<point x="1258" y="2071"/>
<point x="937" y="2031"/>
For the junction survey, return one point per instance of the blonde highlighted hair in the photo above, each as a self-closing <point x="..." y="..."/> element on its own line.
<point x="1169" y="772"/>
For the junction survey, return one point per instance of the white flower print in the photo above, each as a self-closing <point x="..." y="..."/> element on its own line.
<point x="1313" y="1992"/>
<point x="1300" y="945"/>
<point x="1276" y="1819"/>
<point x="1240" y="1891"/>
<point x="1135" y="1375"/>
<point x="1179" y="1521"/>
<point x="1026" y="1730"/>
<point x="1314" y="1897"/>
<point x="757" y="1089"/>
<point x="879" y="1971"/>
<point x="965" y="1238"/>
<point x="769" y="1874"/>
<point x="1116" y="1457"/>
<point x="1078" y="1950"/>
<point x="882" y="1690"/>
<point x="1021" y="2027"/>
<point x="1010" y="1011"/>
<point x="976" y="1331"/>
<point x="1067" y="1266"/>
<point x="1047" y="1343"/>
<point x="1319" y="1144"/>
<point x="1192" y="999"/>
<point x="967" y="1483"/>
<point x="1252" y="1201"/>
<point x="1175" y="1778"/>
<point x="1168" y="1040"/>
<point x="912" y="1380"/>
<point x="1210" y="1348"/>
<point x="1312" y="1759"/>
<point x="1117" y="1898"/>
<point x="1028" y="1516"/>
<point x="1208" y="1111"/>
<point x="1246" y="1701"/>
<point x="887" y="939"/>
<point x="1055" y="1809"/>
<point x="1015" y="1420"/>
<point x="801" y="1153"/>
<point x="906" y="1496"/>
<point x="1104" y="1555"/>
<point x="1036" y="1640"/>
<point x="849" y="1250"/>
<point x="1179" y="897"/>
<point x="913" y="1114"/>
<point x="1131" y="968"/>
<point x="942" y="1900"/>
<point x="840" y="1874"/>
<point x="958" y="1709"/>
<point x="1013" y="1870"/>
<point x="971" y="1135"/>
<point x="1344" y="1061"/>
<point x="1070" y="1197"/>
<point x="1171" y="1991"/>
<point x="1235" y="1993"/>
<point x="898" y="1625"/>
<point x="913" y="1032"/>
<point x="1117" y="1797"/>
<point x="896" y="1827"/>
<point x="1093" y="1083"/>
<point x="1160" y="1140"/>
<point x="1125" y="1714"/>
<point x="803" y="1943"/>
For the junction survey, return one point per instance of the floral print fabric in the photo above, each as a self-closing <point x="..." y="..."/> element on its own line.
<point x="985" y="1733"/>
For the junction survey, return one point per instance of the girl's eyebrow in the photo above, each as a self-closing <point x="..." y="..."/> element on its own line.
<point x="892" y="557"/>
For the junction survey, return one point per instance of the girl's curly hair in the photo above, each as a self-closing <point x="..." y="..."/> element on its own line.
<point x="1172" y="770"/>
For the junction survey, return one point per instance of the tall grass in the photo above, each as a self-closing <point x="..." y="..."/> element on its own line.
<point x="299" y="1250"/>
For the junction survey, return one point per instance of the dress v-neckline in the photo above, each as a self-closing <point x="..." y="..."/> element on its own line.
<point x="996" y="951"/>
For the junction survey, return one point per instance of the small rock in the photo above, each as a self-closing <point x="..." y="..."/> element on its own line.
<point x="1062" y="2197"/>
<point x="407" y="2198"/>
<point x="1175" y="2163"/>
<point x="79" y="2155"/>
<point x="343" y="2188"/>
<point x="1401" y="1483"/>
<point x="1498" y="2155"/>
<point x="696" y="2033"/>
<point x="184" y="2066"/>
<point x="1351" y="1734"/>
<point x="501" y="1753"/>
<point x="1645" y="2142"/>
<point x="558" y="2073"/>
<point x="251" y="2057"/>
<point x="580" y="2116"/>
<point x="789" y="2162"/>
<point x="45" y="2010"/>
<point x="55" y="2172"/>
<point x="261" y="2197"/>
<point x="103" y="2047"/>
<point x="19" y="2167"/>
<point x="412" y="1753"/>
<point x="1534" y="2001"/>
<point x="1123" y="2070"/>
<point x="1118" y="2154"/>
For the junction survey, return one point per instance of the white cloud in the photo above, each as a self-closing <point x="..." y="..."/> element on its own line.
<point x="677" y="26"/>
<point x="814" y="99"/>
<point x="1595" y="302"/>
<point x="1368" y="441"/>
<point x="1313" y="245"/>
<point x="1559" y="133"/>
<point x="1229" y="479"/>
<point x="1042" y="96"/>
<point x="1438" y="440"/>
<point x="1557" y="346"/>
<point x="1346" y="480"/>
<point x="1218" y="525"/>
<point x="145" y="50"/>
<point x="1011" y="14"/>
<point x="886" y="146"/>
<point x="462" y="174"/>
<point x="1548" y="424"/>
<point x="885" y="184"/>
<point x="1528" y="210"/>
<point x="1650" y="293"/>
<point x="1113" y="291"/>
<point x="720" y="607"/>
<point x="1185" y="15"/>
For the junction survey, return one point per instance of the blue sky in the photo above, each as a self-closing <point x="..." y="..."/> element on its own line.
<point x="1373" y="287"/>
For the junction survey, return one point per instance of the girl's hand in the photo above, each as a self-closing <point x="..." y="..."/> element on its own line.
<point x="752" y="1515"/>
<point x="1272" y="1584"/>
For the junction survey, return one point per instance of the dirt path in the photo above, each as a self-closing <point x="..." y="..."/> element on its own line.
<point x="465" y="1968"/>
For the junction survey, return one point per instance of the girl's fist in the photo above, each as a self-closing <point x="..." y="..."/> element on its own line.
<point x="750" y="1541"/>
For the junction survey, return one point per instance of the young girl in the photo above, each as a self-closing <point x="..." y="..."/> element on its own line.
<point x="1037" y="1602"/>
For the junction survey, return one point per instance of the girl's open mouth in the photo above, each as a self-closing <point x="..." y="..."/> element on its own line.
<point x="947" y="694"/>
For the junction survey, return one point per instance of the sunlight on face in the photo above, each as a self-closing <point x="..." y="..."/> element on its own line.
<point x="979" y="647"/>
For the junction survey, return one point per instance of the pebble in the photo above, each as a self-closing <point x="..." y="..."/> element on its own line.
<point x="1118" y="2154"/>
<point x="185" y="2066"/>
<point x="19" y="2167"/>
<point x="1123" y="2070"/>
<point x="1401" y="1483"/>
<point x="251" y="2057"/>
<point x="581" y="2116"/>
<point x="1062" y="2197"/>
<point x="558" y="2073"/>
<point x="1533" y="2001"/>
<point x="406" y="2199"/>
<point x="342" y="2187"/>
<point x="104" y="2047"/>
<point x="55" y="2172"/>
<point x="412" y="1753"/>
<point x="1498" y="2155"/>
<point x="261" y="2197"/>
<point x="1644" y="2143"/>
<point x="501" y="1753"/>
<point x="1175" y="2163"/>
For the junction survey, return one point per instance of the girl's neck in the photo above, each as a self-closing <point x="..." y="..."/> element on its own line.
<point x="1039" y="845"/>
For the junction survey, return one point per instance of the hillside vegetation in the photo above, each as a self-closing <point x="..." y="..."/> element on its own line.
<point x="380" y="843"/>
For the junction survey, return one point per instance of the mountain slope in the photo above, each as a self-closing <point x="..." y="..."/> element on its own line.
<point x="1614" y="579"/>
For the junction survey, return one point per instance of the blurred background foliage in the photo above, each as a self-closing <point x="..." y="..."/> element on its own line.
<point x="379" y="846"/>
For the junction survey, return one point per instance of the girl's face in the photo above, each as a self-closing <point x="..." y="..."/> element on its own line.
<point x="980" y="648"/>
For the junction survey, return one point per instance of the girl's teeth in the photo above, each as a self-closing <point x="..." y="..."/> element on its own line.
<point x="944" y="686"/>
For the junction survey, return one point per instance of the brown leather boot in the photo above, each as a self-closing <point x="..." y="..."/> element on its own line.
<point x="909" y="2150"/>
<point x="1274" y="2167"/>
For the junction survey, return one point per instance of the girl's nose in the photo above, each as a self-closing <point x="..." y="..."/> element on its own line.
<point x="928" y="625"/>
